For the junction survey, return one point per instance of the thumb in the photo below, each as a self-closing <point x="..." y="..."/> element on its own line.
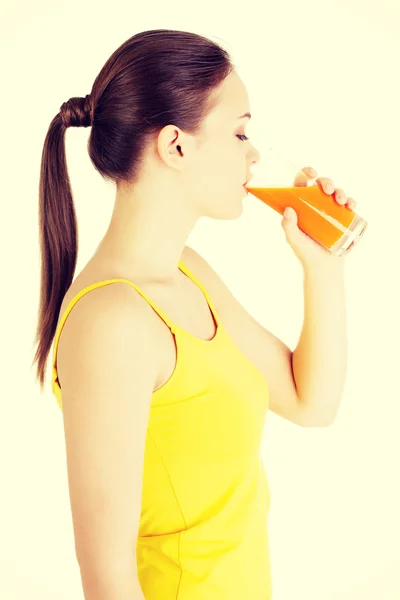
<point x="289" y="216"/>
<point x="289" y="224"/>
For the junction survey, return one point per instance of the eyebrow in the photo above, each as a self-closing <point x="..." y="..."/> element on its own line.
<point x="245" y="115"/>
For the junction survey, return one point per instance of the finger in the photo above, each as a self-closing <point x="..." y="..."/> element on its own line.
<point x="351" y="203"/>
<point x="326" y="184"/>
<point x="304" y="176"/>
<point x="340" y="196"/>
<point x="310" y="172"/>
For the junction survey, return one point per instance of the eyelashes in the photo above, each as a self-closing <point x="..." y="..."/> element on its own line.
<point x="243" y="138"/>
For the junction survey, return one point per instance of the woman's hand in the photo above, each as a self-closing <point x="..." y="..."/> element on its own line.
<point x="310" y="253"/>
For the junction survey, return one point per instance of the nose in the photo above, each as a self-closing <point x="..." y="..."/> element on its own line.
<point x="255" y="158"/>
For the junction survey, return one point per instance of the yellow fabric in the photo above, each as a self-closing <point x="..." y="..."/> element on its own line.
<point x="205" y="501"/>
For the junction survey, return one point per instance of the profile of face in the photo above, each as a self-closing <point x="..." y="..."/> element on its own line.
<point x="223" y="161"/>
<point x="214" y="164"/>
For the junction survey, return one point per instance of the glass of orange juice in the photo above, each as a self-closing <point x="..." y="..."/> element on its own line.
<point x="334" y="226"/>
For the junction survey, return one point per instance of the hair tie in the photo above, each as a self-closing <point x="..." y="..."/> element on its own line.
<point x="77" y="112"/>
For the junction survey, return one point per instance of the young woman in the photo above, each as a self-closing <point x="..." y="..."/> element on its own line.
<point x="163" y="378"/>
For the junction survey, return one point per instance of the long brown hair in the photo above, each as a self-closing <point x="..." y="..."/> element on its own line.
<point x="155" y="78"/>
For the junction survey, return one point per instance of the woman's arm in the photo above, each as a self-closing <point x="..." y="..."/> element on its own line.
<point x="320" y="358"/>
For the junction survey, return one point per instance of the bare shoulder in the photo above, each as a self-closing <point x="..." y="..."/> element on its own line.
<point x="107" y="315"/>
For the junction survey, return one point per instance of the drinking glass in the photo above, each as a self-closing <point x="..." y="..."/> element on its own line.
<point x="279" y="182"/>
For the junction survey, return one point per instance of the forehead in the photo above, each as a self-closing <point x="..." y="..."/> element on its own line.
<point x="233" y="101"/>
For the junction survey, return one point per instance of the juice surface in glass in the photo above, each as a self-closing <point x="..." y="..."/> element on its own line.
<point x="332" y="225"/>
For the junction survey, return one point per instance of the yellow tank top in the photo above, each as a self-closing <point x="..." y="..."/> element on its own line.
<point x="203" y="530"/>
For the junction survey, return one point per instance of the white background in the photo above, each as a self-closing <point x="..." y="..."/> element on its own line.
<point x="323" y="82"/>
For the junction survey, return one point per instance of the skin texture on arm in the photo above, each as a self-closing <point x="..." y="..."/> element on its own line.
<point x="108" y="368"/>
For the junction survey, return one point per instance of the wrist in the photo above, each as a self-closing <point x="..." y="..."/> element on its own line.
<point x="330" y="268"/>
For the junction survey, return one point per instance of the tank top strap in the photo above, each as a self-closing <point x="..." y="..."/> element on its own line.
<point x="171" y="324"/>
<point x="98" y="284"/>
<point x="191" y="276"/>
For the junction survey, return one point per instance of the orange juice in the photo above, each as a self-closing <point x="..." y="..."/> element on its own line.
<point x="332" y="225"/>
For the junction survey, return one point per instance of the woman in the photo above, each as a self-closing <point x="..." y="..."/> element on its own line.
<point x="163" y="378"/>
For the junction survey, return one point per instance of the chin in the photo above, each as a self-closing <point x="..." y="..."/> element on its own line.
<point x="235" y="210"/>
<point x="232" y="209"/>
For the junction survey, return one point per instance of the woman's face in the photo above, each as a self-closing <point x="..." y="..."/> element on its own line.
<point x="222" y="162"/>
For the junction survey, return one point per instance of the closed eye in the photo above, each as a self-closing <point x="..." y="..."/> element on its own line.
<point x="243" y="138"/>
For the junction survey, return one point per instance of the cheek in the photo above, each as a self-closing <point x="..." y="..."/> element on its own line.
<point x="220" y="169"/>
<point x="211" y="167"/>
